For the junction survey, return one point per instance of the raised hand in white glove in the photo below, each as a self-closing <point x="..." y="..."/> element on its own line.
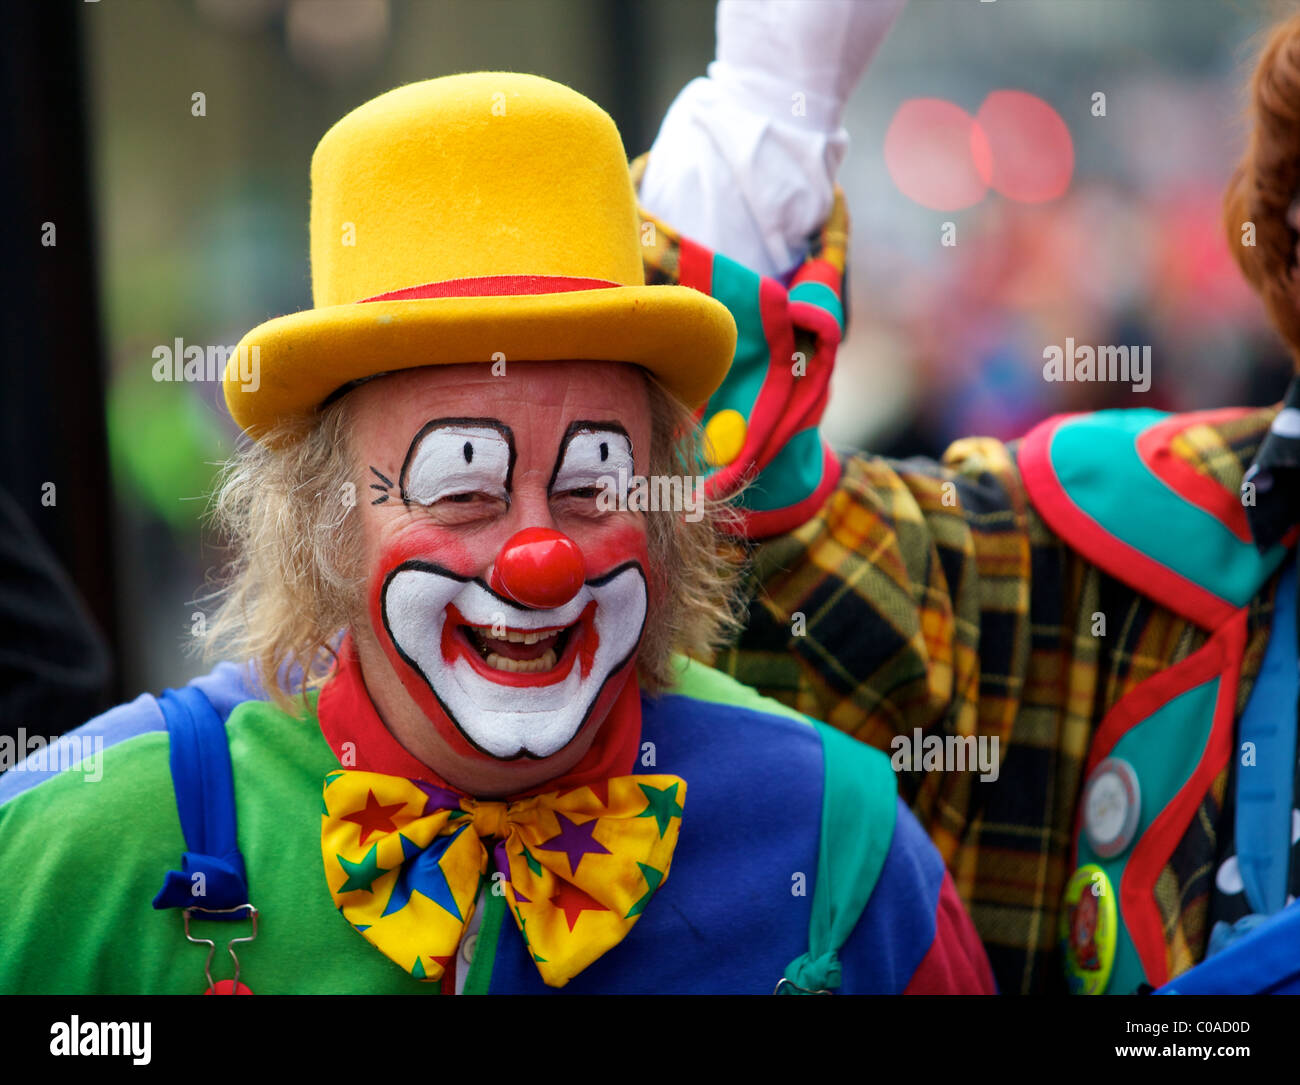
<point x="746" y="159"/>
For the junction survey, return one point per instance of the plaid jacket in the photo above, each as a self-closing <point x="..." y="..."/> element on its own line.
<point x="935" y="596"/>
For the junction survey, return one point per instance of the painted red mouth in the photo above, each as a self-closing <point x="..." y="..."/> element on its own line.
<point x="521" y="657"/>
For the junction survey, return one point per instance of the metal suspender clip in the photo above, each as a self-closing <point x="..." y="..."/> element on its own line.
<point x="222" y="987"/>
<point x="788" y="987"/>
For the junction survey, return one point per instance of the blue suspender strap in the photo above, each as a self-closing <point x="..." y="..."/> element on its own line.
<point x="1266" y="961"/>
<point x="1264" y="800"/>
<point x="212" y="875"/>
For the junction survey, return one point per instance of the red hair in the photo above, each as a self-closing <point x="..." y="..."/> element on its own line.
<point x="1266" y="184"/>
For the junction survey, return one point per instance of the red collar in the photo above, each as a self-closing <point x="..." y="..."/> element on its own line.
<point x="347" y="715"/>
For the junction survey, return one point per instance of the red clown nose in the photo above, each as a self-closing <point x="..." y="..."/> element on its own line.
<point x="538" y="568"/>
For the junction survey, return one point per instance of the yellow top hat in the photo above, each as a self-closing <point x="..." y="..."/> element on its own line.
<point x="468" y="219"/>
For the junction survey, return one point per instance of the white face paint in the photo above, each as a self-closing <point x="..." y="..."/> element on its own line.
<point x="455" y="457"/>
<point x="595" y="459"/>
<point x="509" y="716"/>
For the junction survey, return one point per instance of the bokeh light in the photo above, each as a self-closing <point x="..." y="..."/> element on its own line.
<point x="943" y="158"/>
<point x="936" y="156"/>
<point x="1030" y="149"/>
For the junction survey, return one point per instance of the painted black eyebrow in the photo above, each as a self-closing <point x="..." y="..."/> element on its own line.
<point x="443" y="423"/>
<point x="583" y="427"/>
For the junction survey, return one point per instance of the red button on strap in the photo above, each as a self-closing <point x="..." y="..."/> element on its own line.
<point x="228" y="987"/>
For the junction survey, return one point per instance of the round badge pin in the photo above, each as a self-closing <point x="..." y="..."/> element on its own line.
<point x="1112" y="807"/>
<point x="1088" y="930"/>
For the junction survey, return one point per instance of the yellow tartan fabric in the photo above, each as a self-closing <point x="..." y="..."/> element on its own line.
<point x="934" y="597"/>
<point x="405" y="866"/>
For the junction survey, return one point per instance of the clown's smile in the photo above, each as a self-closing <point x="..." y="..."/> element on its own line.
<point x="515" y="681"/>
<point x="517" y="651"/>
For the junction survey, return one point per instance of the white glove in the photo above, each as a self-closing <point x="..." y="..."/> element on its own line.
<point x="746" y="159"/>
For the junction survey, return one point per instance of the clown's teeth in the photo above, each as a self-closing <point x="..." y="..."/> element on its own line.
<point x="514" y="637"/>
<point x="544" y="662"/>
<point x="530" y="638"/>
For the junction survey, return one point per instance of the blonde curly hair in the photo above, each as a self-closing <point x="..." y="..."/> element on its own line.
<point x="295" y="580"/>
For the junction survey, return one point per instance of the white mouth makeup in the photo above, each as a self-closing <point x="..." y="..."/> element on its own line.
<point x="515" y="681"/>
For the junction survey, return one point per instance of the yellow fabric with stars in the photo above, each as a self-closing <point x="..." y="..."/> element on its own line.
<point x="404" y="861"/>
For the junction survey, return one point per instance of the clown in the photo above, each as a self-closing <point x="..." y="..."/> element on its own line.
<point x="467" y="753"/>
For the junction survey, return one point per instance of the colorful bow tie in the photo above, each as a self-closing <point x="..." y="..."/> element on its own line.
<point x="405" y="859"/>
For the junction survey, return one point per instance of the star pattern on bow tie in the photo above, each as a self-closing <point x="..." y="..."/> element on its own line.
<point x="406" y="860"/>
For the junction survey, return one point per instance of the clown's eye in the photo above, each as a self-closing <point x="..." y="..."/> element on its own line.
<point x="459" y="464"/>
<point x="593" y="462"/>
